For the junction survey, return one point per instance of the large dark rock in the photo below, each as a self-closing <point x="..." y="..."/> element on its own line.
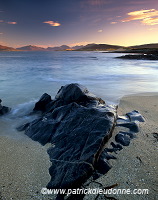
<point x="68" y="94"/>
<point x="78" y="135"/>
<point x="79" y="138"/>
<point x="42" y="103"/>
<point x="76" y="93"/>
<point x="78" y="124"/>
<point x="3" y="109"/>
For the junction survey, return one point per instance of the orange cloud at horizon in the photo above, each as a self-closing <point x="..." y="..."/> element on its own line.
<point x="147" y="17"/>
<point x="52" y="23"/>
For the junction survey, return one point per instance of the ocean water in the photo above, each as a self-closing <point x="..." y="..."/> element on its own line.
<point x="25" y="76"/>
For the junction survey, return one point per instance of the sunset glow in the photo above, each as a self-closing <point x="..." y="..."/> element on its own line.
<point x="61" y="22"/>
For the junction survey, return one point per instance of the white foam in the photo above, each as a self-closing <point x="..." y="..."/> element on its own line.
<point x="22" y="110"/>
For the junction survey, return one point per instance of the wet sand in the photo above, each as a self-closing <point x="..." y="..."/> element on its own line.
<point x="24" y="163"/>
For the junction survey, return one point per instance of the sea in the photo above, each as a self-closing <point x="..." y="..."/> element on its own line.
<point x="25" y="76"/>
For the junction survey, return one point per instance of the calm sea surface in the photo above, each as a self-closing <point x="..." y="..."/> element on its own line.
<point x="25" y="76"/>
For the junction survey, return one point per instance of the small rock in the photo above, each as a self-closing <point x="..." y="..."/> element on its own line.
<point x="3" y="109"/>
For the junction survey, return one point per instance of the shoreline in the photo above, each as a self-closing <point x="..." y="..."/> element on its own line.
<point x="25" y="164"/>
<point x="136" y="166"/>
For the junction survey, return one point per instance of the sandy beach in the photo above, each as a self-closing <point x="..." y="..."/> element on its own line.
<point x="24" y="163"/>
<point x="23" y="169"/>
<point x="136" y="165"/>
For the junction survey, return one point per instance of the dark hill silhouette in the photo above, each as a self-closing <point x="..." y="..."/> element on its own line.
<point x="5" y="48"/>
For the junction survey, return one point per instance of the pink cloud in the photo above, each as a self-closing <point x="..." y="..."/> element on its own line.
<point x="11" y="22"/>
<point x="52" y="23"/>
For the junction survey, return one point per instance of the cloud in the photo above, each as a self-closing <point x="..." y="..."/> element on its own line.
<point x="113" y="23"/>
<point x="1" y="33"/>
<point x="52" y="23"/>
<point x="151" y="21"/>
<point x="11" y="22"/>
<point x="100" y="31"/>
<point x="2" y="21"/>
<point x="147" y="17"/>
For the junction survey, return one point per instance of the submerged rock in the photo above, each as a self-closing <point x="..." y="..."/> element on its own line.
<point x="3" y="109"/>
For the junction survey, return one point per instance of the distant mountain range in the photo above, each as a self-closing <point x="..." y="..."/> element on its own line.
<point x="100" y="47"/>
<point x="60" y="48"/>
<point x="31" y="48"/>
<point x="5" y="48"/>
<point x="88" y="47"/>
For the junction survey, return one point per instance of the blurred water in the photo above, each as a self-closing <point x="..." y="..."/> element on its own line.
<point x="25" y="76"/>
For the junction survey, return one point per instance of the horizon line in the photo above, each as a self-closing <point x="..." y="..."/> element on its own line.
<point x="45" y="46"/>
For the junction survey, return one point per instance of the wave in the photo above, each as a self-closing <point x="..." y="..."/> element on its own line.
<point x="20" y="114"/>
<point x="23" y="109"/>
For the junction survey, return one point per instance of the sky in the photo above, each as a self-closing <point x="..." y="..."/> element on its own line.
<point x="78" y="22"/>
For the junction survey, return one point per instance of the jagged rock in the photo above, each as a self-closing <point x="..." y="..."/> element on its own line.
<point x="135" y="116"/>
<point x="116" y="146"/>
<point x="122" y="138"/>
<point x="133" y="126"/>
<point x="78" y="135"/>
<point x="23" y="127"/>
<point x="107" y="156"/>
<point x="76" y="93"/>
<point x="78" y="124"/>
<point x="42" y="103"/>
<point x="68" y="94"/>
<point x="103" y="166"/>
<point x="3" y="109"/>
